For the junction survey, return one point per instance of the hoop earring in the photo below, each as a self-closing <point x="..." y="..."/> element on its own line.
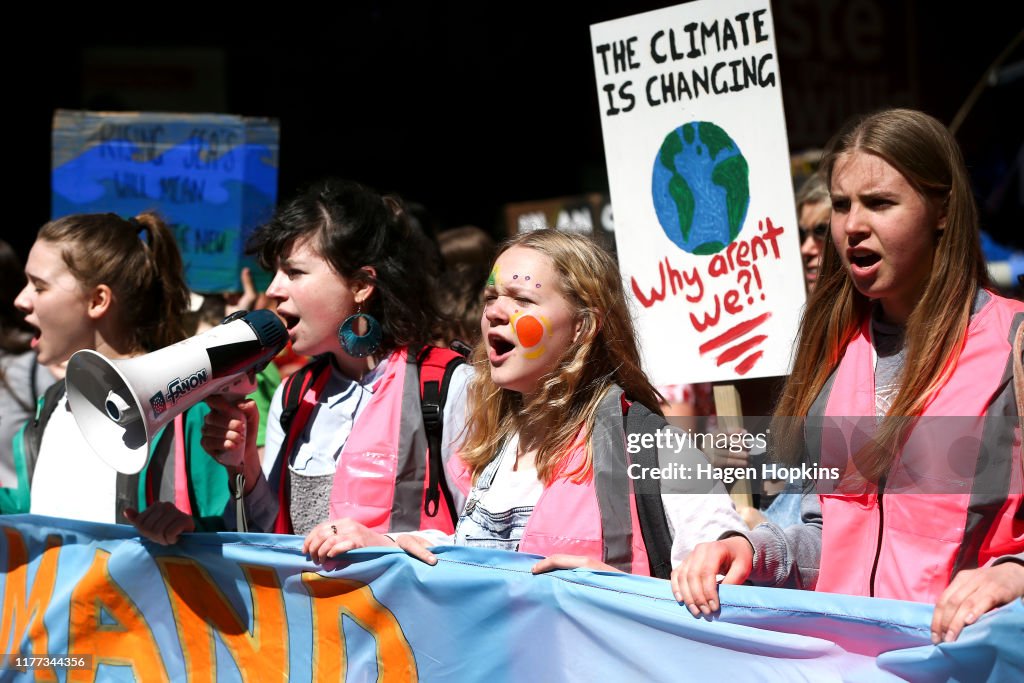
<point x="360" y="345"/>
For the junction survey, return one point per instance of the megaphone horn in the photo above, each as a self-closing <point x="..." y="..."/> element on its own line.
<point x="120" y="405"/>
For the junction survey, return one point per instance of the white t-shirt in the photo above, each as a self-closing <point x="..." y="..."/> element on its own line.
<point x="692" y="517"/>
<point x="70" y="480"/>
<point x="513" y="486"/>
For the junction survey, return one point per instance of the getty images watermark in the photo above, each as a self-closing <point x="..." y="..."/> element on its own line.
<point x="673" y="440"/>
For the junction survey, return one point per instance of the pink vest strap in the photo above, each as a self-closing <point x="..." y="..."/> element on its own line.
<point x="181" y="500"/>
<point x="364" y="481"/>
<point x="381" y="477"/>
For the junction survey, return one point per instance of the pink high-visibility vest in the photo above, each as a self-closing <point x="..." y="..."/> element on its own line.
<point x="573" y="517"/>
<point x="952" y="498"/>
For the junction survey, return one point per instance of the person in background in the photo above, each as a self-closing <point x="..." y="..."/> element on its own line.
<point x="813" y="209"/>
<point x="780" y="501"/>
<point x="22" y="378"/>
<point x="467" y="253"/>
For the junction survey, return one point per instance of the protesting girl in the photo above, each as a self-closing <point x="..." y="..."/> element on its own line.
<point x="365" y="429"/>
<point x="544" y="461"/>
<point x="901" y="325"/>
<point x="115" y="286"/>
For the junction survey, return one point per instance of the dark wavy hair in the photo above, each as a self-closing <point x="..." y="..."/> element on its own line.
<point x="352" y="227"/>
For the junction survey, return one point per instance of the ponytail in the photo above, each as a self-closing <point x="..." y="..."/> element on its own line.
<point x="168" y="294"/>
<point x="139" y="260"/>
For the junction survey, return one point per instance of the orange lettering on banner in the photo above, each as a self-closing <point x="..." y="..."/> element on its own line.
<point x="334" y="599"/>
<point x="258" y="645"/>
<point x="127" y="642"/>
<point x="21" y="616"/>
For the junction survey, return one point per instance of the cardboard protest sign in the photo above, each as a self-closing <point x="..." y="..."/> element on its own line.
<point x="212" y="177"/>
<point x="590" y="214"/>
<point x="698" y="165"/>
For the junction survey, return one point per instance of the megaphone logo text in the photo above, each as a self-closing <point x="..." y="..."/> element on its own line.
<point x="179" y="387"/>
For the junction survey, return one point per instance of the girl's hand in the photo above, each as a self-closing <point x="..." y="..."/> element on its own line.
<point x="972" y="593"/>
<point x="229" y="435"/>
<point x="338" y="536"/>
<point x="723" y="458"/>
<point x="161" y="522"/>
<point x="417" y="547"/>
<point x="695" y="581"/>
<point x="562" y="561"/>
<point x="751" y="516"/>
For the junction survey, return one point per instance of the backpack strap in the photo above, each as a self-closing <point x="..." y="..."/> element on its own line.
<point x="649" y="508"/>
<point x="34" y="429"/>
<point x="436" y="367"/>
<point x="296" y="386"/>
<point x="1018" y="368"/>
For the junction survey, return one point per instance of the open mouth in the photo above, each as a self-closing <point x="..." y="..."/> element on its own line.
<point x="36" y="333"/>
<point x="290" y="321"/>
<point x="500" y="347"/>
<point x="864" y="259"/>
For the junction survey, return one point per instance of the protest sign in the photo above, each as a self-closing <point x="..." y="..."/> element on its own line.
<point x="698" y="166"/>
<point x="590" y="214"/>
<point x="212" y="177"/>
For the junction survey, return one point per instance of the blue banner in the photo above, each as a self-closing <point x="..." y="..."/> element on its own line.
<point x="212" y="176"/>
<point x="94" y="602"/>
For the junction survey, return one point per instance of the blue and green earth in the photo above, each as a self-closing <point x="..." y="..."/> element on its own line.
<point x="701" y="187"/>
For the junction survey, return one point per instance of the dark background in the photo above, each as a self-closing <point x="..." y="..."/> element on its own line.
<point x="464" y="107"/>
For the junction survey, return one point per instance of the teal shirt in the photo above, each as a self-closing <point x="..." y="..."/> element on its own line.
<point x="207" y="479"/>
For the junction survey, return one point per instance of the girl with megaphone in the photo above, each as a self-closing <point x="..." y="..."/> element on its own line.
<point x="115" y="286"/>
<point x="365" y="430"/>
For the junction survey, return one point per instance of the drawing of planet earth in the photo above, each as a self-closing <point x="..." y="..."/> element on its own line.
<point x="700" y="187"/>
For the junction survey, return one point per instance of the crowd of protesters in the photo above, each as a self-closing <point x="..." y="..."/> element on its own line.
<point x="493" y="412"/>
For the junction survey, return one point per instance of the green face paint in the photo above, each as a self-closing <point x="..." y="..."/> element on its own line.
<point x="493" y="277"/>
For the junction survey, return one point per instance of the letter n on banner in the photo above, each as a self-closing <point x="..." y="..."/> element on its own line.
<point x="337" y="598"/>
<point x="200" y="606"/>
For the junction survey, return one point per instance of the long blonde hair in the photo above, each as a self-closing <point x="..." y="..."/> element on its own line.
<point x="927" y="155"/>
<point x="605" y="353"/>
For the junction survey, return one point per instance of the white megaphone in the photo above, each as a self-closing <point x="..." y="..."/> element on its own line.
<point x="121" y="404"/>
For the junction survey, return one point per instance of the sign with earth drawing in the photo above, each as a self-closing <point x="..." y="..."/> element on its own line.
<point x="698" y="166"/>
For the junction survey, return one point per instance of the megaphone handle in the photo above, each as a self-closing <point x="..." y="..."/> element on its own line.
<point x="242" y="523"/>
<point x="242" y="388"/>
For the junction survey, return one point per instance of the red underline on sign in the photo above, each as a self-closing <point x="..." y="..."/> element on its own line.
<point x="749" y="362"/>
<point x="734" y="352"/>
<point x="733" y="333"/>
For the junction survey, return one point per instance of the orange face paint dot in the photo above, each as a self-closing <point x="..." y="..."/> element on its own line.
<point x="529" y="330"/>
